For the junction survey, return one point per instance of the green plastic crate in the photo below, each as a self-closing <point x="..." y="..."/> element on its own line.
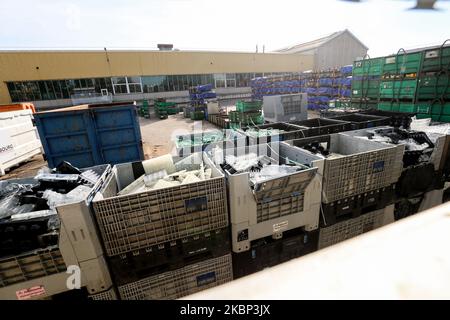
<point x="144" y="110"/>
<point x="397" y="107"/>
<point x="368" y="67"/>
<point x="364" y="104"/>
<point x="243" y="106"/>
<point x="405" y="89"/>
<point x="365" y="88"/>
<point x="197" y="115"/>
<point x="432" y="60"/>
<point x="402" y="64"/>
<point x="173" y="110"/>
<point x="338" y="103"/>
<point x="434" y="117"/>
<point x="436" y="108"/>
<point x="433" y="87"/>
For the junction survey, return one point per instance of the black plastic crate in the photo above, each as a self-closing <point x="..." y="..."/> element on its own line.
<point x="291" y="132"/>
<point x="362" y="121"/>
<point x="397" y="119"/>
<point x="355" y="206"/>
<point x="321" y="126"/>
<point x="131" y="267"/>
<point x="268" y="252"/>
<point x="419" y="178"/>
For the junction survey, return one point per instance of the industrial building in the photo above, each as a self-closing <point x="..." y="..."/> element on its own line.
<point x="332" y="51"/>
<point x="63" y="78"/>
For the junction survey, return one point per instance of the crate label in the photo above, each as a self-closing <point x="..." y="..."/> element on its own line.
<point x="205" y="279"/>
<point x="358" y="64"/>
<point x="242" y="235"/>
<point x="196" y="204"/>
<point x="432" y="54"/>
<point x="355" y="91"/>
<point x="390" y="60"/>
<point x="6" y="145"/>
<point x="378" y="167"/>
<point x="277" y="227"/>
<point x="25" y="294"/>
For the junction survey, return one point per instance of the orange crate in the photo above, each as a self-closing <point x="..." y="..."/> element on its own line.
<point x="17" y="106"/>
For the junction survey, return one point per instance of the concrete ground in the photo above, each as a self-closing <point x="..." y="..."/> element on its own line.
<point x="157" y="136"/>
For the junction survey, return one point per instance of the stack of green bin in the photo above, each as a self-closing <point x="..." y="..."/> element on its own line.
<point x="144" y="110"/>
<point x="248" y="113"/>
<point x="161" y="110"/>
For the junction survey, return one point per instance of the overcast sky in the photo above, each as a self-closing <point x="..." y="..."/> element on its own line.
<point x="383" y="25"/>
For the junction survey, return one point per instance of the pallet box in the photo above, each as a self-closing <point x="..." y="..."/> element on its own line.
<point x="41" y="273"/>
<point x="274" y="205"/>
<point x="133" y="222"/>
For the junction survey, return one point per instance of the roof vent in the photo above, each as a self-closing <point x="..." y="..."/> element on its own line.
<point x="165" y="47"/>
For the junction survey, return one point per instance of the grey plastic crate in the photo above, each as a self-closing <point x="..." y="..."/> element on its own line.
<point x="353" y="227"/>
<point x="275" y="205"/>
<point x="229" y="139"/>
<point x="439" y="139"/>
<point x="31" y="265"/>
<point x="138" y="221"/>
<point x="286" y="107"/>
<point x="105" y="295"/>
<point x="363" y="166"/>
<point x="181" y="282"/>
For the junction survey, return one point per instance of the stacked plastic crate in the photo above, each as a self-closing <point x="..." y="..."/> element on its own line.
<point x="247" y="113"/>
<point x="366" y="83"/>
<point x="274" y="198"/>
<point x="165" y="243"/>
<point x="358" y="184"/>
<point x="399" y="82"/>
<point x="421" y="184"/>
<point x="321" y="87"/>
<point x="198" y="97"/>
<point x="414" y="82"/>
<point x="344" y="83"/>
<point x="47" y="233"/>
<point x="433" y="91"/>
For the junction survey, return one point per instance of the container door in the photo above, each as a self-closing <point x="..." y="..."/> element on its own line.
<point x="118" y="134"/>
<point x="68" y="136"/>
<point x="290" y="185"/>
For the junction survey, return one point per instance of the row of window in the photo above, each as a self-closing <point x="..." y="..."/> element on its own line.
<point x="64" y="89"/>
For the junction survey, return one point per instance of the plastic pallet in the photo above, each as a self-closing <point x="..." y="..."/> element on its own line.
<point x="353" y="227"/>
<point x="182" y="282"/>
<point x="268" y="252"/>
<point x="169" y="256"/>
<point x="355" y="206"/>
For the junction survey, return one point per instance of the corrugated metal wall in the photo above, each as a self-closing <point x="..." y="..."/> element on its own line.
<point x="342" y="50"/>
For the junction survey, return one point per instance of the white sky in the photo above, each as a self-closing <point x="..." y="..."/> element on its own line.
<point x="383" y="25"/>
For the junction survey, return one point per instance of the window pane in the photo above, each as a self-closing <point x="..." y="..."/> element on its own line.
<point x="220" y="80"/>
<point x="119" y="80"/>
<point x="231" y="83"/>
<point x="135" y="88"/>
<point x="64" y="89"/>
<point x="134" y="79"/>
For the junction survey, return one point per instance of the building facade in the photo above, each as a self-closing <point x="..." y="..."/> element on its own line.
<point x="62" y="78"/>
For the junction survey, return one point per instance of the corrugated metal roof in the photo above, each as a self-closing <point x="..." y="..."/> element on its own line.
<point x="316" y="43"/>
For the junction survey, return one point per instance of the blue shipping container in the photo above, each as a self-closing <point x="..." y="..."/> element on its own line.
<point x="90" y="135"/>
